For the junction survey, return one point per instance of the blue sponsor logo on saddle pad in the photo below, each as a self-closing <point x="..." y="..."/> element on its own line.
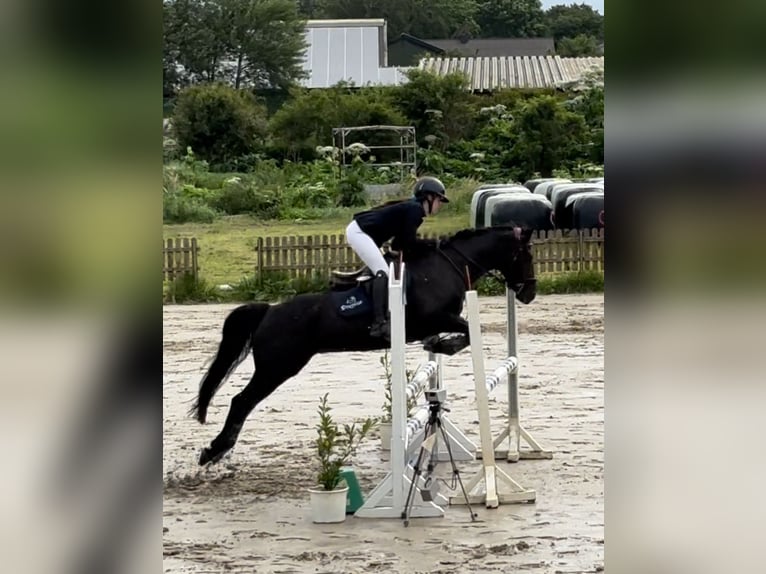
<point x="353" y="303"/>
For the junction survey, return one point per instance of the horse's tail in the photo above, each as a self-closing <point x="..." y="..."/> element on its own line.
<point x="235" y="345"/>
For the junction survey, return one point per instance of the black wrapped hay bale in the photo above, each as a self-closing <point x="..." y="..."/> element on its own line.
<point x="531" y="184"/>
<point x="546" y="187"/>
<point x="497" y="185"/>
<point x="528" y="211"/>
<point x="561" y="217"/>
<point x="480" y="197"/>
<point x="587" y="210"/>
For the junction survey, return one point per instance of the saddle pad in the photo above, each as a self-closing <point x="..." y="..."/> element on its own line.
<point x="352" y="303"/>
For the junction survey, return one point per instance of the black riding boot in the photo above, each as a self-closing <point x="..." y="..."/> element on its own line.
<point x="380" y="326"/>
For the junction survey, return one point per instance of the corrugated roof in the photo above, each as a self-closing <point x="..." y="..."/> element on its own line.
<point x="488" y="74"/>
<point x="496" y="47"/>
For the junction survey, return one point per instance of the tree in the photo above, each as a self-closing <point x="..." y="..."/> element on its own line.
<point x="421" y="18"/>
<point x="438" y="106"/>
<point x="194" y="43"/>
<point x="548" y="136"/>
<point x="218" y="122"/>
<point x="255" y="43"/>
<point x="266" y="41"/>
<point x="575" y="20"/>
<point x="581" y="45"/>
<point x="309" y="8"/>
<point x="511" y="18"/>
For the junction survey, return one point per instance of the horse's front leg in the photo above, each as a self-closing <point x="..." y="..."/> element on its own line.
<point x="456" y="340"/>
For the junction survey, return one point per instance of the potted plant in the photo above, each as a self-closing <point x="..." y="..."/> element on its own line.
<point x="385" y="421"/>
<point x="334" y="447"/>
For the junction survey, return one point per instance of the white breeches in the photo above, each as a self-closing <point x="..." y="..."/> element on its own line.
<point x="365" y="248"/>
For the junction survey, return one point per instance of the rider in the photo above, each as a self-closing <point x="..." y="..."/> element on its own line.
<point x="400" y="220"/>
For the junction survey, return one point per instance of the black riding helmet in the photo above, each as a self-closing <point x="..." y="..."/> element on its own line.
<point x="426" y="186"/>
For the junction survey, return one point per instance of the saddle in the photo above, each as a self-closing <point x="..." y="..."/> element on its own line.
<point x="343" y="280"/>
<point x="351" y="295"/>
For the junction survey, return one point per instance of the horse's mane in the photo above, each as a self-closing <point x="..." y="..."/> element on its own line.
<point x="423" y="247"/>
<point x="471" y="233"/>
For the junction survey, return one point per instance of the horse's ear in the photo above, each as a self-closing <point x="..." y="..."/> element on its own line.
<point x="523" y="235"/>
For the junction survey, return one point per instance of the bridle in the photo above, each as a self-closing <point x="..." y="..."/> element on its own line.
<point x="481" y="268"/>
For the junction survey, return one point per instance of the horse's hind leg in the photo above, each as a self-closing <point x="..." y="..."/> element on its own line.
<point x="263" y="383"/>
<point x="242" y="405"/>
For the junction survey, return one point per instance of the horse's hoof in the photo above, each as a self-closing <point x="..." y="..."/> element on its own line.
<point x="206" y="457"/>
<point x="431" y="343"/>
<point x="448" y="345"/>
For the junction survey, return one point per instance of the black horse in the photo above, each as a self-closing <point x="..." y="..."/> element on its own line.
<point x="283" y="337"/>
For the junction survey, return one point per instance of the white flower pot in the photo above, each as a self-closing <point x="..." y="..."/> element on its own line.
<point x="328" y="505"/>
<point x="385" y="435"/>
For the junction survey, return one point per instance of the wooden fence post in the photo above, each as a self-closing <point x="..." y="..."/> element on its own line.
<point x="259" y="261"/>
<point x="195" y="261"/>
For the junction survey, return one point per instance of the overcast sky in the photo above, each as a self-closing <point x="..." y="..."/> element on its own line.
<point x="598" y="5"/>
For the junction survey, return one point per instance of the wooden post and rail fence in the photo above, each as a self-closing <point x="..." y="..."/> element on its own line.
<point x="179" y="258"/>
<point x="554" y="251"/>
<point x="311" y="255"/>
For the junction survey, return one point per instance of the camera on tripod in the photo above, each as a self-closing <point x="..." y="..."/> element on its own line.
<point x="429" y="491"/>
<point x="436" y="395"/>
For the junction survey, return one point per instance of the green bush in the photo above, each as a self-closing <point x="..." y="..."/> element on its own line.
<point x="351" y="190"/>
<point x="219" y="123"/>
<point x="316" y="195"/>
<point x="589" y="103"/>
<point x="508" y="135"/>
<point x="187" y="289"/>
<point x="275" y="286"/>
<point x="581" y="45"/>
<point x="574" y="282"/>
<point x="490" y="286"/>
<point x="305" y="122"/>
<point x="440" y="107"/>
<point x="239" y="196"/>
<point x="180" y="208"/>
<point x="549" y="136"/>
<point x="564" y="283"/>
<point x="170" y="149"/>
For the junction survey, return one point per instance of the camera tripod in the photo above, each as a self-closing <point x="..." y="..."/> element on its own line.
<point x="435" y="407"/>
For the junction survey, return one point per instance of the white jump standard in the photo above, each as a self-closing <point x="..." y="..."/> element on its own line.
<point x="513" y="431"/>
<point x="490" y="475"/>
<point x="389" y="498"/>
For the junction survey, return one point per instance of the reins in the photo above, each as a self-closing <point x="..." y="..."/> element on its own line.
<point x="466" y="277"/>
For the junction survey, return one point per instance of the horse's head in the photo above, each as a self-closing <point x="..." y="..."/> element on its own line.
<point x="515" y="262"/>
<point x="505" y="249"/>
